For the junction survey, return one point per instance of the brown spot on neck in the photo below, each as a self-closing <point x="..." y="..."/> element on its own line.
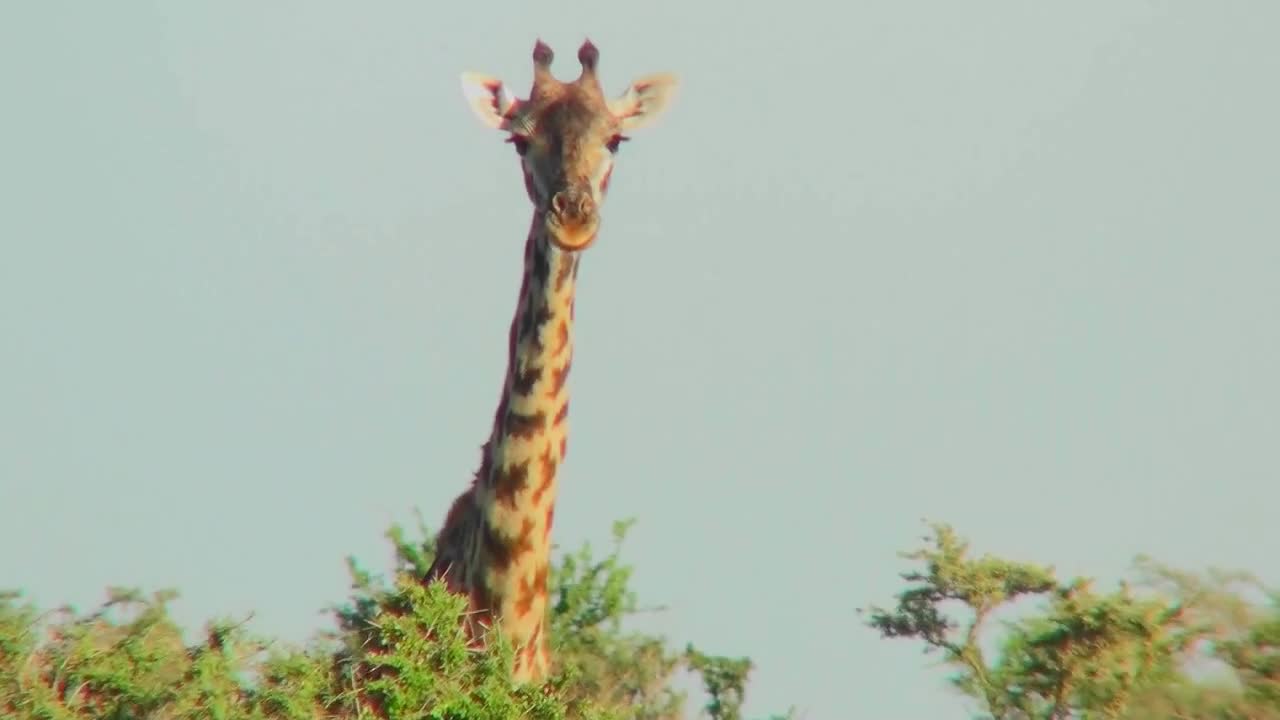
<point x="558" y="378"/>
<point x="526" y="427"/>
<point x="548" y="463"/>
<point x="562" y="338"/>
<point x="503" y="551"/>
<point x="510" y="481"/>
<point x="524" y="380"/>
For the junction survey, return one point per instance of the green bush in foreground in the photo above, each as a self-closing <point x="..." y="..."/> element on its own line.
<point x="129" y="660"/>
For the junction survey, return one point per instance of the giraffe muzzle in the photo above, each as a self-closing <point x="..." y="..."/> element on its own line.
<point x="573" y="219"/>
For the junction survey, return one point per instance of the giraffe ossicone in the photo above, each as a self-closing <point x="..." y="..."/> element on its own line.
<point x="494" y="547"/>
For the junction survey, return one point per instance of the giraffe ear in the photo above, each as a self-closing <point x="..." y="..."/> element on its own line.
<point x="644" y="101"/>
<point x="489" y="100"/>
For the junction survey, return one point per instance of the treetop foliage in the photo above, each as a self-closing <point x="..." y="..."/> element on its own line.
<point x="1131" y="652"/>
<point x="1018" y="642"/>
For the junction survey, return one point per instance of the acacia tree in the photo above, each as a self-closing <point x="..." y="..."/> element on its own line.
<point x="1129" y="653"/>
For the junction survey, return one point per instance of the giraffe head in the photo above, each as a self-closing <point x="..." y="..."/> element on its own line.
<point x="567" y="135"/>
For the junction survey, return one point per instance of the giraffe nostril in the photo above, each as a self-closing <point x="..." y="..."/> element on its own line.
<point x="573" y="205"/>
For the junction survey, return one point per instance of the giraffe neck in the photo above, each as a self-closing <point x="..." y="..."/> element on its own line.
<point x="516" y="489"/>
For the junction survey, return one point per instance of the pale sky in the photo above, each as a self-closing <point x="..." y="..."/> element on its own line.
<point x="1001" y="264"/>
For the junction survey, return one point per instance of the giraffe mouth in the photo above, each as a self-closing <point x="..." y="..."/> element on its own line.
<point x="572" y="236"/>
<point x="572" y="220"/>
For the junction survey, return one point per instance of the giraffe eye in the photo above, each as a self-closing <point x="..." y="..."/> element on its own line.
<point x="521" y="144"/>
<point x="615" y="141"/>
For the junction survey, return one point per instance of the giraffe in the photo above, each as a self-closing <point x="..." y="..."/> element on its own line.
<point x="494" y="547"/>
